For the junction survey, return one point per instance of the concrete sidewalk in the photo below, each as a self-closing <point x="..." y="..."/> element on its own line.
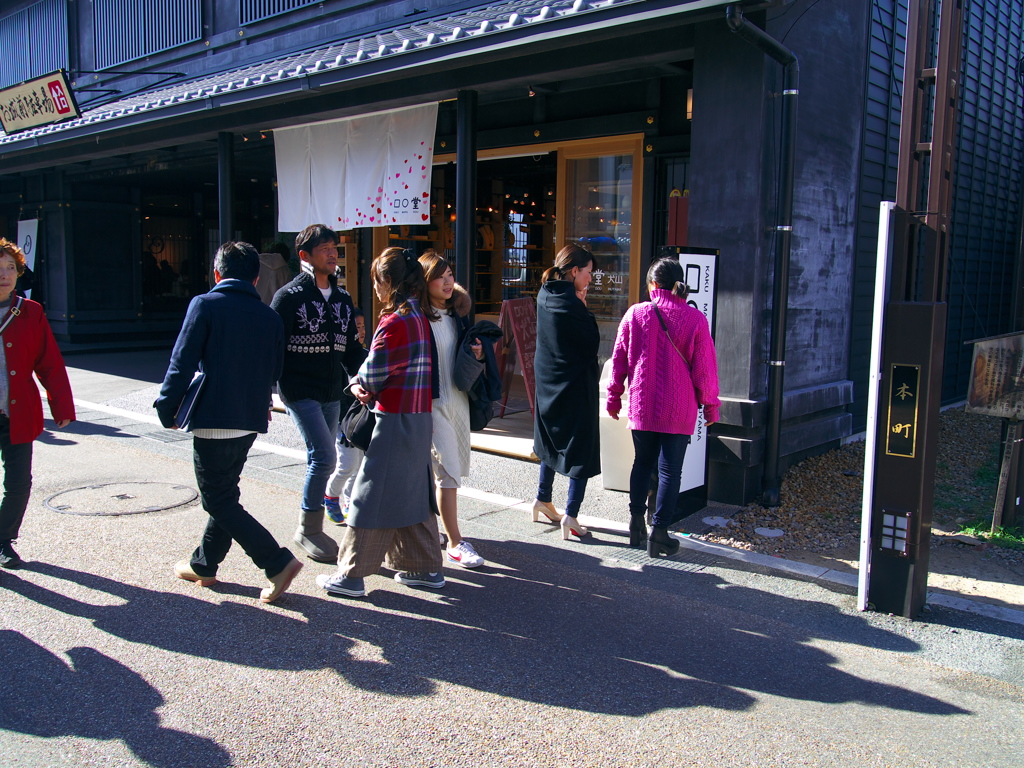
<point x="554" y="653"/>
<point x="126" y="385"/>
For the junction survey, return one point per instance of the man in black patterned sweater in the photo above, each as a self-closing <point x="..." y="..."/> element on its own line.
<point x="322" y="351"/>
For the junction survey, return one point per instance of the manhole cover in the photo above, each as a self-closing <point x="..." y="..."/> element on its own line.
<point x="121" y="498"/>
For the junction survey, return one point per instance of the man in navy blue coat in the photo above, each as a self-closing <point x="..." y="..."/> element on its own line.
<point x="238" y="343"/>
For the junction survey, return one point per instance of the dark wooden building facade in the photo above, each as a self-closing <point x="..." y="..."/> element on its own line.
<point x="608" y="121"/>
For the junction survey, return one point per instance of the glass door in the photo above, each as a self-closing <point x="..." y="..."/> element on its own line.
<point x="600" y="192"/>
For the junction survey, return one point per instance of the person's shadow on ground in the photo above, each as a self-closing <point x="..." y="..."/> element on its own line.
<point x="561" y="631"/>
<point x="54" y="436"/>
<point x="94" y="697"/>
<point x="608" y="641"/>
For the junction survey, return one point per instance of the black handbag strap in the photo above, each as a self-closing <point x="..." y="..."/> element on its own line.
<point x="14" y="311"/>
<point x="664" y="327"/>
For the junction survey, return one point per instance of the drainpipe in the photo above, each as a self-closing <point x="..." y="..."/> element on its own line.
<point x="757" y="37"/>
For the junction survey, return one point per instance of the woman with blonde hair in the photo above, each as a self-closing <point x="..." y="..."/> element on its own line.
<point x="392" y="511"/>
<point x="447" y="308"/>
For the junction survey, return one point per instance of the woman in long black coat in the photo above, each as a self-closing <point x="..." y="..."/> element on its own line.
<point x="565" y="431"/>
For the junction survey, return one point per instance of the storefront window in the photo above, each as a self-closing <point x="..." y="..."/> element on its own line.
<point x="514" y="220"/>
<point x="600" y="205"/>
<point x="600" y="195"/>
<point x="168" y="276"/>
<point x="532" y="203"/>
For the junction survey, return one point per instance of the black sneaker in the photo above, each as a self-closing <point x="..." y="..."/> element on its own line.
<point x="8" y="557"/>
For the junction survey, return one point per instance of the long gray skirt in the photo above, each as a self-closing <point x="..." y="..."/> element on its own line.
<point x="394" y="487"/>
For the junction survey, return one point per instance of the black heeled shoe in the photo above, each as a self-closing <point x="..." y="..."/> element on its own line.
<point x="637" y="531"/>
<point x="660" y="543"/>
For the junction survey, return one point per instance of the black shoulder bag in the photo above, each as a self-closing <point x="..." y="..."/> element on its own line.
<point x="357" y="425"/>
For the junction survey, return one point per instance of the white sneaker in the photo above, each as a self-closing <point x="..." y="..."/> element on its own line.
<point x="463" y="554"/>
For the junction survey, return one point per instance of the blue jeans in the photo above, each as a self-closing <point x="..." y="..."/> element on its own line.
<point x="577" y="489"/>
<point x="666" y="452"/>
<point x="318" y="424"/>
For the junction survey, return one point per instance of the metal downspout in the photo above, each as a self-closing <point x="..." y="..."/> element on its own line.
<point x="783" y="234"/>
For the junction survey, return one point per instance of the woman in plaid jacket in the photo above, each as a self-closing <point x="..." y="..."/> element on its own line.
<point x="392" y="513"/>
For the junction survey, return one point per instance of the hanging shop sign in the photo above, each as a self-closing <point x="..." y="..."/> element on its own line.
<point x="367" y="171"/>
<point x="28" y="233"/>
<point x="28" y="236"/>
<point x="41" y="101"/>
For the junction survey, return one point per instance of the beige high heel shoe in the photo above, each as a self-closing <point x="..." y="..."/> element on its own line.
<point x="547" y="509"/>
<point x="570" y="526"/>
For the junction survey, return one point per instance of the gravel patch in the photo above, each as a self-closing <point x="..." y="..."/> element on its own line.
<point x="821" y="496"/>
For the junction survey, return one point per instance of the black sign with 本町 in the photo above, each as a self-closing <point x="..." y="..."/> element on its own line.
<point x="904" y="386"/>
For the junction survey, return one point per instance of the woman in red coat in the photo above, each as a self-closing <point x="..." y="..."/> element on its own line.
<point x="28" y="347"/>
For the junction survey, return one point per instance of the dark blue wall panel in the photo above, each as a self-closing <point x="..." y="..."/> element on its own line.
<point x="130" y="29"/>
<point x="879" y="161"/>
<point x="987" y="204"/>
<point x="36" y="39"/>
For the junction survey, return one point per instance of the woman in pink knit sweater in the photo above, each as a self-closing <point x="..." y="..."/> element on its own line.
<point x="664" y="348"/>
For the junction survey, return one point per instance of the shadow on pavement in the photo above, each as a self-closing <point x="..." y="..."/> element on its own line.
<point x="583" y="637"/>
<point x="608" y="644"/>
<point x="54" y="436"/>
<point x="138" y="365"/>
<point x="93" y="698"/>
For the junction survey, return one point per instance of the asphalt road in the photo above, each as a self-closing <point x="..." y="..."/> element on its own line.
<point x="553" y="654"/>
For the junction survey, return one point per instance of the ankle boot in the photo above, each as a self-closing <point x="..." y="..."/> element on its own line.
<point x="637" y="530"/>
<point x="660" y="543"/>
<point x="311" y="537"/>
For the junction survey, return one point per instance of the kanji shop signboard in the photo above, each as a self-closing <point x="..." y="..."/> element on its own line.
<point x="41" y="101"/>
<point x="997" y="377"/>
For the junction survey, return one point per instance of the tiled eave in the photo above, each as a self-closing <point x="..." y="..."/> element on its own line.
<point x="508" y="23"/>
